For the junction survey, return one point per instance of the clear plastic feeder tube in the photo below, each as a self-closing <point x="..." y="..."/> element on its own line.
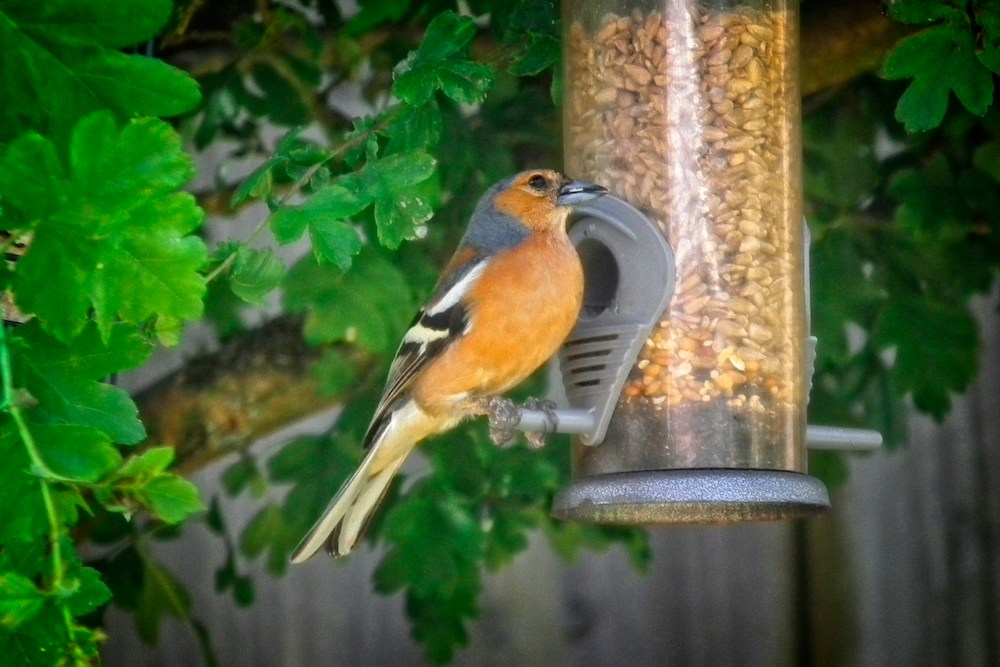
<point x="690" y="111"/>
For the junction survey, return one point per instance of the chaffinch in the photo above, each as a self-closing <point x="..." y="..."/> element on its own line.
<point x="507" y="300"/>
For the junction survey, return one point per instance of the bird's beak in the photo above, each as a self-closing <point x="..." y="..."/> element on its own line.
<point x="575" y="192"/>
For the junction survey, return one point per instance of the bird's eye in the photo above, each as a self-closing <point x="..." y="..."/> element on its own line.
<point x="538" y="182"/>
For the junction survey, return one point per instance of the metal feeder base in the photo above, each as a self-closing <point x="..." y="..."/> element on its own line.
<point x="691" y="496"/>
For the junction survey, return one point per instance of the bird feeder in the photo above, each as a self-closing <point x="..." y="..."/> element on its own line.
<point x="690" y="365"/>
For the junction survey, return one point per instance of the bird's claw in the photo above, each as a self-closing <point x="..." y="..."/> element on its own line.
<point x="504" y="417"/>
<point x="537" y="438"/>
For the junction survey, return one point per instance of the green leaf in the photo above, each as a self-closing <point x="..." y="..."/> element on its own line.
<point x="335" y="242"/>
<point x="161" y="594"/>
<point x="840" y="164"/>
<point x="541" y="53"/>
<point x="323" y="214"/>
<point x="171" y="498"/>
<point x="989" y="23"/>
<point x="241" y="475"/>
<point x="63" y="378"/>
<point x="415" y="128"/>
<point x="841" y="292"/>
<point x="936" y="349"/>
<point x="255" y="273"/>
<point x="398" y="215"/>
<point x="88" y="591"/>
<point x="987" y="158"/>
<point x="76" y="452"/>
<point x="292" y="154"/>
<point x="370" y="305"/>
<point x="269" y="531"/>
<point x="117" y="237"/>
<point x="940" y="60"/>
<point x="443" y="583"/>
<point x="59" y="61"/>
<point x="923" y="11"/>
<point x="20" y="600"/>
<point x="147" y="463"/>
<point x="23" y="517"/>
<point x="335" y="373"/>
<point x="440" y="64"/>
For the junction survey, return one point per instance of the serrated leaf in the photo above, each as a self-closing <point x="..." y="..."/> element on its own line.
<point x="240" y="475"/>
<point x="448" y="553"/>
<point x="20" y="600"/>
<point x="59" y="61"/>
<point x="270" y="531"/>
<point x="335" y="242"/>
<point x="89" y="592"/>
<point x="400" y="218"/>
<point x="149" y="462"/>
<point x="259" y="185"/>
<point x="255" y="273"/>
<point x="415" y="128"/>
<point x="332" y="202"/>
<point x="171" y="498"/>
<point x="370" y="305"/>
<point x="840" y="291"/>
<point x="440" y="64"/>
<point x="257" y="535"/>
<point x="937" y="349"/>
<point x="940" y="60"/>
<point x="989" y="23"/>
<point x="399" y="215"/>
<point x="541" y="53"/>
<point x="443" y="584"/>
<point x="63" y="378"/>
<point x="76" y="452"/>
<point x="118" y="240"/>
<point x="161" y="594"/>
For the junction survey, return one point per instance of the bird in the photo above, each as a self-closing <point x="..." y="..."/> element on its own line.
<point x="506" y="301"/>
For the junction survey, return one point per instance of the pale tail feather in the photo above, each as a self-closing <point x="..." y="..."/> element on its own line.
<point x="349" y="513"/>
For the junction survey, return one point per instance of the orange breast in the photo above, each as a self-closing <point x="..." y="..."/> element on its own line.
<point x="522" y="308"/>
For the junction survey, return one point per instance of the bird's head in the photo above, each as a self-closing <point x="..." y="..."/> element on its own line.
<point x="541" y="198"/>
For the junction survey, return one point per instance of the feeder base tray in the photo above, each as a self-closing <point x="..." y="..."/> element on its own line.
<point x="691" y="496"/>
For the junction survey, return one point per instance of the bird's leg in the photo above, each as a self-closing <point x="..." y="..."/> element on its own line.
<point x="537" y="438"/>
<point x="504" y="417"/>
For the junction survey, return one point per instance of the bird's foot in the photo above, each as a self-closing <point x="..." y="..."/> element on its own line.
<point x="504" y="417"/>
<point x="537" y="438"/>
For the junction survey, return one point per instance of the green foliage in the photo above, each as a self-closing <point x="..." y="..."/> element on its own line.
<point x="450" y="97"/>
<point x="111" y="263"/>
<point x="439" y="65"/>
<point x="960" y="54"/>
<point x="61" y="61"/>
<point x="121" y="247"/>
<point x="902" y="240"/>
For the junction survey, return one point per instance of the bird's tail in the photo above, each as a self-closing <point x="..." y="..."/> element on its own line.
<point x="351" y="510"/>
<point x="349" y="513"/>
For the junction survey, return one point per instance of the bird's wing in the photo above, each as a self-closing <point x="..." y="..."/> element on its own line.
<point x="443" y="320"/>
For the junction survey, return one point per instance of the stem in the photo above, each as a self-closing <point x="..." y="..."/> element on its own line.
<point x="55" y="526"/>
